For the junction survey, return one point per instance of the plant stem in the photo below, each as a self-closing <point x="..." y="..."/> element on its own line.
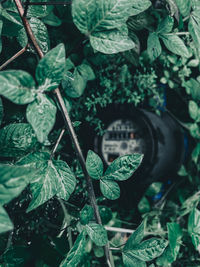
<point x="66" y="223"/>
<point x="28" y="29"/>
<point x="178" y="33"/>
<point x="57" y="143"/>
<point x="13" y="57"/>
<point x="119" y="230"/>
<point x="69" y="126"/>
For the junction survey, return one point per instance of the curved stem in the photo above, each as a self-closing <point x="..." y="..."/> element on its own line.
<point x="57" y="143"/>
<point x="69" y="126"/>
<point x="14" y="57"/>
<point x="28" y="29"/>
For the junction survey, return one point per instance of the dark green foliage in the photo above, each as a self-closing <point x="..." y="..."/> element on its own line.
<point x="143" y="53"/>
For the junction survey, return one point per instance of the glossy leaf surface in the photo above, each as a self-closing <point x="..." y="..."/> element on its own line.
<point x="110" y="189"/>
<point x="17" y="139"/>
<point x="94" y="165"/>
<point x="49" y="71"/>
<point x="97" y="233"/>
<point x="5" y="222"/>
<point x="13" y="179"/>
<point x="41" y="114"/>
<point x="123" y="167"/>
<point x="148" y="249"/>
<point x="76" y="253"/>
<point x="16" y="85"/>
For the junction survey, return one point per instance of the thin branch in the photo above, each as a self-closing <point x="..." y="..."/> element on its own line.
<point x="119" y="230"/>
<point x="69" y="126"/>
<point x="57" y="143"/>
<point x="178" y="33"/>
<point x="66" y="223"/>
<point x="14" y="57"/>
<point x="130" y="231"/>
<point x="186" y="18"/>
<point x="28" y="29"/>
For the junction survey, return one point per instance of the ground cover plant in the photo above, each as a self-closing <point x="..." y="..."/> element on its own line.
<point x="61" y="62"/>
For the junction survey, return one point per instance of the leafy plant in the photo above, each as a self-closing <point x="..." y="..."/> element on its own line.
<point x="64" y="62"/>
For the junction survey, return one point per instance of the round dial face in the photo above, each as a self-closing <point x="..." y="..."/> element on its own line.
<point x="122" y="137"/>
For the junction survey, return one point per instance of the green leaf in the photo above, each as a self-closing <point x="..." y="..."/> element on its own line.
<point x="49" y="71"/>
<point x="40" y="32"/>
<point x="76" y="253"/>
<point x="86" y="214"/>
<point x="97" y="233"/>
<point x="182" y="171"/>
<point x="1" y="110"/>
<point x="139" y="22"/>
<point x="69" y="64"/>
<point x="98" y="251"/>
<point x="143" y="205"/>
<point x="1" y="26"/>
<point x="189" y="204"/>
<point x="195" y="130"/>
<point x="154" y="48"/>
<point x="13" y="179"/>
<point x="193" y="110"/>
<point x="39" y="11"/>
<point x="193" y="88"/>
<point x="41" y="114"/>
<point x="94" y="165"/>
<point x="184" y="7"/>
<point x="44" y="186"/>
<point x="52" y="20"/>
<point x="93" y="16"/>
<point x="17" y="139"/>
<point x="195" y="4"/>
<point x="110" y="189"/>
<point x="166" y="258"/>
<point x="166" y="25"/>
<point x="5" y="222"/>
<point x="196" y="153"/>
<point x="100" y="21"/>
<point x="111" y="42"/>
<point x="123" y="167"/>
<point x="193" y="63"/>
<point x="75" y="83"/>
<point x="135" y="238"/>
<point x="174" y="236"/>
<point x="105" y="214"/>
<point x="194" y="227"/>
<point x="16" y="85"/>
<point x="148" y="249"/>
<point x="66" y="179"/>
<point x="11" y="21"/>
<point x="140" y="6"/>
<point x="194" y="28"/>
<point x="17" y="256"/>
<point x="175" y="45"/>
<point x="86" y="71"/>
<point x="154" y="189"/>
<point x="52" y="178"/>
<point x="130" y="261"/>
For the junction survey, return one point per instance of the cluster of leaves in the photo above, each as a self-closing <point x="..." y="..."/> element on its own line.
<point x="156" y="41"/>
